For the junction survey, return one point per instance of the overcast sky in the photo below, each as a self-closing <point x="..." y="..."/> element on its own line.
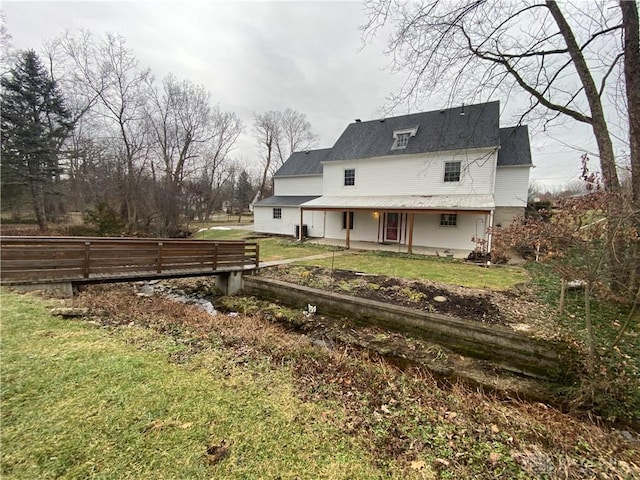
<point x="260" y="56"/>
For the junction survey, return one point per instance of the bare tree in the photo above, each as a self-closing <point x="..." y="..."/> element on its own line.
<point x="191" y="137"/>
<point x="109" y="84"/>
<point x="632" y="81"/>
<point x="569" y="59"/>
<point x="295" y="135"/>
<point x="266" y="129"/>
<point x="475" y="47"/>
<point x="279" y="134"/>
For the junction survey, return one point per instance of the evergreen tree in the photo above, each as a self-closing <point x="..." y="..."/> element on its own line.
<point x="244" y="189"/>
<point x="35" y="124"/>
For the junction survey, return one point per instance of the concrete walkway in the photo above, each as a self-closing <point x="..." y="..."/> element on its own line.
<point x="393" y="247"/>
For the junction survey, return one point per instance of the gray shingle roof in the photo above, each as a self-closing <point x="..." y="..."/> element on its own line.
<point x="303" y="163"/>
<point x="514" y="147"/>
<point x="285" y="201"/>
<point x="438" y="130"/>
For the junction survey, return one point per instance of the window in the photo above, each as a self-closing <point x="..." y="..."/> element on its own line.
<point x="448" y="220"/>
<point x="402" y="140"/>
<point x="344" y="220"/>
<point x="452" y="171"/>
<point x="401" y="137"/>
<point x="350" y="177"/>
<point x="277" y="213"/>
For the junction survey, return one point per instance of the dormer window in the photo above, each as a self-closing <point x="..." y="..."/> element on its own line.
<point x="401" y="137"/>
<point x="402" y="140"/>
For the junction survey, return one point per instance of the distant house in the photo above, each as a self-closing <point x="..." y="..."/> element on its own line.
<point x="434" y="179"/>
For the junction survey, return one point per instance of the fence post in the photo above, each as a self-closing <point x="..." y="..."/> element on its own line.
<point x="159" y="259"/>
<point x="87" y="259"/>
<point x="215" y="257"/>
<point x="257" y="254"/>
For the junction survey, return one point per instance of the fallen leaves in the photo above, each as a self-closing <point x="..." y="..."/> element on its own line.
<point x="216" y="453"/>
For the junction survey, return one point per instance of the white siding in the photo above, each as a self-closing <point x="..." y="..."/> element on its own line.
<point x="264" y="222"/>
<point x="307" y="185"/>
<point x="365" y="227"/>
<point x="512" y="185"/>
<point x="427" y="231"/>
<point x="413" y="174"/>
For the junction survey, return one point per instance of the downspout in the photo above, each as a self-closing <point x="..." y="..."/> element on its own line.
<point x="490" y="235"/>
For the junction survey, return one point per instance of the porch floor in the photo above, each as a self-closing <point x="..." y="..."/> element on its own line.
<point x="391" y="247"/>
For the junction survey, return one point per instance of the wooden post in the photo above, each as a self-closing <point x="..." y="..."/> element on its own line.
<point x="301" y="219"/>
<point x="348" y="225"/>
<point x="490" y="230"/>
<point x="159" y="258"/>
<point x="87" y="259"/>
<point x="410" y="245"/>
<point x="257" y="255"/>
<point x="215" y="256"/>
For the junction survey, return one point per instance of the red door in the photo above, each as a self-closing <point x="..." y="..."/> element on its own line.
<point x="391" y="230"/>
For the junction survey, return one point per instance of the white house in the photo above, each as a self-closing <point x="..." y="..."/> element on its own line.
<point x="434" y="179"/>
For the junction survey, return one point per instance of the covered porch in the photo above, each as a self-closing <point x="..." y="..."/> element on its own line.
<point x="430" y="225"/>
<point x="395" y="247"/>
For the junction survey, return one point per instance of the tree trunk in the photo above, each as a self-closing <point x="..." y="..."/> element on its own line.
<point x="598" y="121"/>
<point x="632" y="79"/>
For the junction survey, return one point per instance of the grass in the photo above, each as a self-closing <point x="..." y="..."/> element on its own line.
<point x="449" y="271"/>
<point x="419" y="267"/>
<point x="271" y="248"/>
<point x="80" y="401"/>
<point x="144" y="391"/>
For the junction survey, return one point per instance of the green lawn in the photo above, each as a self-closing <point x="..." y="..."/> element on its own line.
<point x="79" y="401"/>
<point x="271" y="248"/>
<point x="449" y="271"/>
<point x="444" y="270"/>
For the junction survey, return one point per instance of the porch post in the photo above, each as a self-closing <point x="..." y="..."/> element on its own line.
<point x="348" y="218"/>
<point x="300" y="229"/>
<point x="410" y="245"/>
<point x="490" y="235"/>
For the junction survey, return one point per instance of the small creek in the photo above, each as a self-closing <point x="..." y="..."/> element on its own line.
<point x="400" y="350"/>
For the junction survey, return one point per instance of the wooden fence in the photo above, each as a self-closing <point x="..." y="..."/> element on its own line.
<point x="35" y="259"/>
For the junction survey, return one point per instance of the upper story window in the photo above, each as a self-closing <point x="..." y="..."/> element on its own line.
<point x="452" y="171"/>
<point x="401" y="137"/>
<point x="402" y="140"/>
<point x="349" y="177"/>
<point x="277" y="213"/>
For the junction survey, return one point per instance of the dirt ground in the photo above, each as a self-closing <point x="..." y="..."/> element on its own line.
<point x="517" y="308"/>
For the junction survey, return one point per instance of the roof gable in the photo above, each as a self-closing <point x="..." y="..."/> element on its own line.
<point x="303" y="163"/>
<point x="469" y="126"/>
<point x="514" y="147"/>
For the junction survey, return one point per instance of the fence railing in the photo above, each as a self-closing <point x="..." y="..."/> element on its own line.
<point x="78" y="258"/>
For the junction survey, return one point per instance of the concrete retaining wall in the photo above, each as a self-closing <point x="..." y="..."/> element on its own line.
<point x="509" y="349"/>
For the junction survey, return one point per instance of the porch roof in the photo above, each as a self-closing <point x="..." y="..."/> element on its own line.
<point x="469" y="202"/>
<point x="285" y="200"/>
